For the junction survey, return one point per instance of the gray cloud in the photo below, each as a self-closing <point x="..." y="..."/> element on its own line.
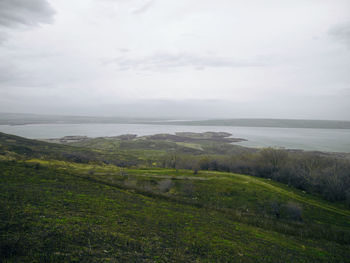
<point x="24" y="12"/>
<point x="341" y="32"/>
<point x="3" y="37"/>
<point x="10" y="73"/>
<point x="17" y="70"/>
<point x="15" y="13"/>
<point x="345" y="92"/>
<point x="154" y="52"/>
<point x="167" y="61"/>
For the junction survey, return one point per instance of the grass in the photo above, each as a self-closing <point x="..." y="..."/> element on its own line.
<point x="55" y="215"/>
<point x="231" y="188"/>
<point x="54" y="208"/>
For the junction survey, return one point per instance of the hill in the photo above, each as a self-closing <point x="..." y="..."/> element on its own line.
<point x="54" y="209"/>
<point x="278" y="123"/>
<point x="23" y="119"/>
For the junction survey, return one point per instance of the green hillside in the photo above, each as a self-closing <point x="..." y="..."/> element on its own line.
<point x="57" y="209"/>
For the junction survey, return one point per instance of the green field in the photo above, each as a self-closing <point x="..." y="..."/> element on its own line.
<point x="63" y="203"/>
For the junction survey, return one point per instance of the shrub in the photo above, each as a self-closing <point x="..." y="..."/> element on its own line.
<point x="294" y="211"/>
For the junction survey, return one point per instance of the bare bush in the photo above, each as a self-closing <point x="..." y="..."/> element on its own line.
<point x="294" y="211"/>
<point x="165" y="185"/>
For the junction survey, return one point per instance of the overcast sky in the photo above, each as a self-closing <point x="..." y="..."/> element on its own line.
<point x="183" y="58"/>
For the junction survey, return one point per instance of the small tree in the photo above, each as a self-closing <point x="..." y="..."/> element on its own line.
<point x="276" y="209"/>
<point x="165" y="185"/>
<point x="274" y="157"/>
<point x="294" y="211"/>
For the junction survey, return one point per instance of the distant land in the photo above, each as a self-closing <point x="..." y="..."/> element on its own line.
<point x="23" y="119"/>
<point x="278" y="123"/>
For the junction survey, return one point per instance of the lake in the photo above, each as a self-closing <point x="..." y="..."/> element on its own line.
<point x="333" y="140"/>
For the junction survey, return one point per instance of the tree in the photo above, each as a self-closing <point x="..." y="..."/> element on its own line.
<point x="274" y="157"/>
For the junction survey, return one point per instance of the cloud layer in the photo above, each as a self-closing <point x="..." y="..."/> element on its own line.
<point x="22" y="12"/>
<point x="244" y="58"/>
<point x="168" y="61"/>
<point x="341" y="32"/>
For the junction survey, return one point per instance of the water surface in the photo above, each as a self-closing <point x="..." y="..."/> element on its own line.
<point x="333" y="140"/>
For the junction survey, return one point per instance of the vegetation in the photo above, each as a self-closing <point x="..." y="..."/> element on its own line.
<point x="76" y="203"/>
<point x="316" y="172"/>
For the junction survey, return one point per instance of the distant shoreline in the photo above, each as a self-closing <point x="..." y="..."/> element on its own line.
<point x="329" y="140"/>
<point x="263" y="123"/>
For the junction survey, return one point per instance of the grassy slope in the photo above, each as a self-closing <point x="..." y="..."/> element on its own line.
<point x="21" y="148"/>
<point x="55" y="211"/>
<point x="84" y="216"/>
<point x="246" y="195"/>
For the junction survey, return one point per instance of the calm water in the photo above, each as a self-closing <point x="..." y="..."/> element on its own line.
<point x="308" y="139"/>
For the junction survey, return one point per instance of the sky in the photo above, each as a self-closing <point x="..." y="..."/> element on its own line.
<point x="176" y="59"/>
